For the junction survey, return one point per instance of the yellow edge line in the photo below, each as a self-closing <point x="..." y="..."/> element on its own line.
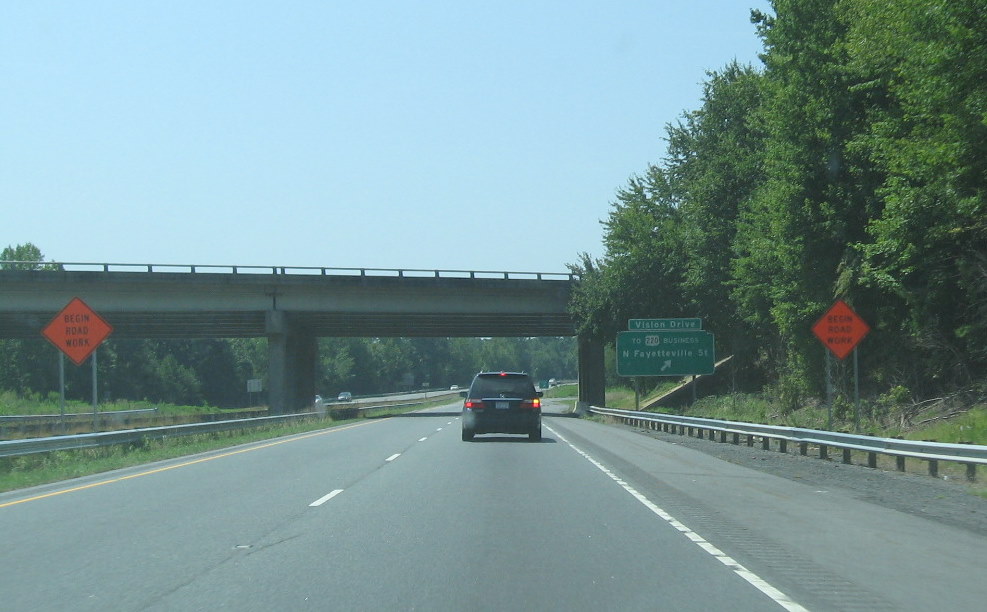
<point x="185" y="464"/>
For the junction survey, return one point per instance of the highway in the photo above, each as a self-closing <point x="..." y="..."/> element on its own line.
<point x="400" y="514"/>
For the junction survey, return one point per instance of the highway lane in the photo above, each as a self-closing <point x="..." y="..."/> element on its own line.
<point x="422" y="520"/>
<point x="399" y="514"/>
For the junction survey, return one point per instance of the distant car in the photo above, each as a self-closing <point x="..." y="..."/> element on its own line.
<point x="454" y="388"/>
<point x="502" y="402"/>
<point x="345" y="396"/>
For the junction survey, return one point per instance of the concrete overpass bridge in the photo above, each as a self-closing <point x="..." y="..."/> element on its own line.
<point x="293" y="306"/>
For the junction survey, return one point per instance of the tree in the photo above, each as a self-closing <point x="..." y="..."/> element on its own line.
<point x="24" y="257"/>
<point x="927" y="248"/>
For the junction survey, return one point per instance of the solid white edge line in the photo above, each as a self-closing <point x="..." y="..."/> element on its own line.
<point x="393" y="457"/>
<point x="756" y="581"/>
<point x="325" y="498"/>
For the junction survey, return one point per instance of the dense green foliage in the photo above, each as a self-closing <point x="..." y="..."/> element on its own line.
<point x="852" y="165"/>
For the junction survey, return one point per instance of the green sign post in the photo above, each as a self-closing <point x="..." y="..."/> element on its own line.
<point x="665" y="353"/>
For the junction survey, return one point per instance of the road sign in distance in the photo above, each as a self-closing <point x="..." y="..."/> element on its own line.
<point x="665" y="353"/>
<point x="77" y="330"/>
<point x="664" y="324"/>
<point x="840" y="329"/>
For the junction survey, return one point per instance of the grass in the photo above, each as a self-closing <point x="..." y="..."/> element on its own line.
<point x="562" y="392"/>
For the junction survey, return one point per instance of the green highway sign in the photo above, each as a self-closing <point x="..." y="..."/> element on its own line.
<point x="664" y="324"/>
<point x="665" y="353"/>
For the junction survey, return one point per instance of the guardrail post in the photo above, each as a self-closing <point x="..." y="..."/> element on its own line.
<point x="765" y="443"/>
<point x="750" y="439"/>
<point x="900" y="463"/>
<point x="846" y="456"/>
<point x="803" y="448"/>
<point x="934" y="468"/>
<point x="872" y="460"/>
<point x="823" y="451"/>
<point x="723" y="436"/>
<point x="699" y="432"/>
<point x="782" y="445"/>
<point x="971" y="472"/>
<point x="736" y="438"/>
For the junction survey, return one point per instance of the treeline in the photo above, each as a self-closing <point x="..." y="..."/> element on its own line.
<point x="215" y="372"/>
<point x="852" y="165"/>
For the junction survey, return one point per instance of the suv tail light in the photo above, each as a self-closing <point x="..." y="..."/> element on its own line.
<point x="473" y="404"/>
<point x="532" y="404"/>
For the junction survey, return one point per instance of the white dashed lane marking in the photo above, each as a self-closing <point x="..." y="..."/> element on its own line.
<point x="325" y="498"/>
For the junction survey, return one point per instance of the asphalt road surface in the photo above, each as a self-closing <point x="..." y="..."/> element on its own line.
<point x="400" y="514"/>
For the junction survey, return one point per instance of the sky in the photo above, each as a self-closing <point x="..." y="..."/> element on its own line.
<point x="374" y="134"/>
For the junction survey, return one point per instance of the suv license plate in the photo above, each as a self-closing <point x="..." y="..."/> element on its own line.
<point x="503" y="405"/>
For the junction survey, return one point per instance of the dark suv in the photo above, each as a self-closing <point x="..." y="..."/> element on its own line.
<point x="502" y="402"/>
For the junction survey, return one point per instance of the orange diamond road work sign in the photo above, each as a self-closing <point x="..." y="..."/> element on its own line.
<point x="77" y="330"/>
<point x="840" y="329"/>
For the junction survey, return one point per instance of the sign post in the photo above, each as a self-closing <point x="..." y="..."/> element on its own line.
<point x="841" y="329"/>
<point x="77" y="331"/>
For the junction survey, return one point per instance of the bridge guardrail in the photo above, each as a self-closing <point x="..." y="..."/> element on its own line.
<point x="970" y="455"/>
<point x="282" y="270"/>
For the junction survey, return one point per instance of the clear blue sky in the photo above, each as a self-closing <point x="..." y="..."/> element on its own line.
<point x="452" y="135"/>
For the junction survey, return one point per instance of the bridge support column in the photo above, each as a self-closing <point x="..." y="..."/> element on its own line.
<point x="592" y="374"/>
<point x="292" y="357"/>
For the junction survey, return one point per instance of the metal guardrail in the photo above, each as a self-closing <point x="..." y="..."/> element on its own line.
<point x="291" y="270"/>
<point x="970" y="455"/>
<point x="13" y="448"/>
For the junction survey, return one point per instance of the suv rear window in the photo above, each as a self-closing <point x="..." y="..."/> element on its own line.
<point x="497" y="385"/>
